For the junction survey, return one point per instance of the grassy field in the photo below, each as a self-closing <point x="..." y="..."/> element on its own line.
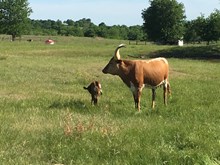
<point x="46" y="116"/>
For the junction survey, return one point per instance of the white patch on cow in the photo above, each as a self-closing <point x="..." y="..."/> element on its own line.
<point x="156" y="59"/>
<point x="165" y="83"/>
<point x="99" y="85"/>
<point x="161" y="83"/>
<point x="164" y="60"/>
<point x="142" y="87"/>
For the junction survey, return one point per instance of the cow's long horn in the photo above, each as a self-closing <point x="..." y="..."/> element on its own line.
<point x="117" y="54"/>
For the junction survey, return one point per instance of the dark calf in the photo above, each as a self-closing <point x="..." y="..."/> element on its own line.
<point x="95" y="90"/>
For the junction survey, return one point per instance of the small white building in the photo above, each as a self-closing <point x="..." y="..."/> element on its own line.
<point x="180" y="42"/>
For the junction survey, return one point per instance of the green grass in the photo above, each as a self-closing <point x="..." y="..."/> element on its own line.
<point x="46" y="116"/>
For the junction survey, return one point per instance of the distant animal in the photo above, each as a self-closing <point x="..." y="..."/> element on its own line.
<point x="95" y="89"/>
<point x="50" y="42"/>
<point x="137" y="74"/>
<point x="30" y="40"/>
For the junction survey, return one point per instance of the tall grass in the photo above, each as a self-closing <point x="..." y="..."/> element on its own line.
<point x="46" y="116"/>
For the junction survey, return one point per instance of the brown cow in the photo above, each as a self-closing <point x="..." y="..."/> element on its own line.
<point x="137" y="74"/>
<point x="95" y="90"/>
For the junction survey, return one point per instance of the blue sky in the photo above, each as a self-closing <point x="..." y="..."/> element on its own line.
<point x="111" y="12"/>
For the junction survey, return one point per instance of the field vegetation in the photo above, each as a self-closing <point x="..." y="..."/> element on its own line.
<point x="46" y="116"/>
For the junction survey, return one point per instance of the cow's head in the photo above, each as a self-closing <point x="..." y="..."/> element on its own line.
<point x="113" y="65"/>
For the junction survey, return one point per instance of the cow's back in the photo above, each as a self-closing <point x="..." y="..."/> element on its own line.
<point x="155" y="71"/>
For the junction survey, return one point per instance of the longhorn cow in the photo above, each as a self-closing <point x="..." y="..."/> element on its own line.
<point x="137" y="74"/>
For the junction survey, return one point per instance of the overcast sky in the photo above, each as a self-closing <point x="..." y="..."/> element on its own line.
<point x="111" y="12"/>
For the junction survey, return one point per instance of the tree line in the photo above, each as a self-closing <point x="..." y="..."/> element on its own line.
<point x="163" y="22"/>
<point x="85" y="28"/>
<point x="203" y="29"/>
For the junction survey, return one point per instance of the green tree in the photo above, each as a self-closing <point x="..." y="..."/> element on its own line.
<point x="77" y="31"/>
<point x="164" y="20"/>
<point x="123" y="32"/>
<point x="212" y="27"/>
<point x="113" y="32"/>
<point x="203" y="29"/>
<point x="102" y="30"/>
<point x="90" y="32"/>
<point x="194" y="30"/>
<point x="135" y="33"/>
<point x="199" y="25"/>
<point x="69" y="22"/>
<point x="14" y="17"/>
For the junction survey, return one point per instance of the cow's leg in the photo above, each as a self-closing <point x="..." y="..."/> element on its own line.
<point x="153" y="97"/>
<point x="134" y="92"/>
<point x="168" y="88"/>
<point x="139" y="91"/>
<point x="165" y="86"/>
<point x="137" y="95"/>
<point x="137" y="98"/>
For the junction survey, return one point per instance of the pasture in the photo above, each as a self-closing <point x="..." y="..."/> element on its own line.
<point x="46" y="116"/>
